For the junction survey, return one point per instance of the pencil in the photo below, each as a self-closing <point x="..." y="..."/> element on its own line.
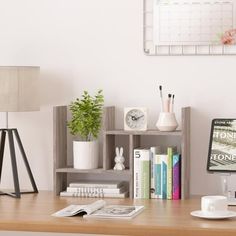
<point x="172" y="103"/>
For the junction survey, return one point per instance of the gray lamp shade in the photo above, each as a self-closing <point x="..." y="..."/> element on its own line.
<point x="19" y="88"/>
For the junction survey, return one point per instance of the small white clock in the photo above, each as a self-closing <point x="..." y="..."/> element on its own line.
<point x="135" y="118"/>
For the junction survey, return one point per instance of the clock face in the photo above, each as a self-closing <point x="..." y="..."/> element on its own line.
<point x="136" y="119"/>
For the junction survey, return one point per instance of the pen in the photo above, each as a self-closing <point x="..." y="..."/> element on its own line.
<point x="160" y="88"/>
<point x="168" y="102"/>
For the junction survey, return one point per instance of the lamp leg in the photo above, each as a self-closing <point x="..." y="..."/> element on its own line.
<point x="13" y="163"/>
<point x="2" y="146"/>
<point x="25" y="160"/>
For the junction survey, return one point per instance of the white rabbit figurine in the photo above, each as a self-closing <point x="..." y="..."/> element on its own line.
<point x="119" y="159"/>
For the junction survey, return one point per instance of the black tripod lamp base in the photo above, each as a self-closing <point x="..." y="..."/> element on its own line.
<point x="11" y="134"/>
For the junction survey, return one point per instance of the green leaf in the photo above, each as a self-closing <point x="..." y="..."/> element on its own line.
<point x="86" y="115"/>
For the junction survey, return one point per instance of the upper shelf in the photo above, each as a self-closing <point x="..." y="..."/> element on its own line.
<point x="147" y="132"/>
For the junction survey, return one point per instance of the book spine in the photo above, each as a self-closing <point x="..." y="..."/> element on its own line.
<point x="141" y="173"/>
<point x="137" y="173"/>
<point x="87" y="194"/>
<point x="164" y="176"/>
<point x="154" y="151"/>
<point x="145" y="174"/>
<point x="157" y="176"/>
<point x="89" y="189"/>
<point x="94" y="185"/>
<point x="169" y="172"/>
<point x="176" y="176"/>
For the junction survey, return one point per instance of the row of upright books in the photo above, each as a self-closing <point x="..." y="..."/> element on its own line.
<point x="101" y="189"/>
<point x="157" y="174"/>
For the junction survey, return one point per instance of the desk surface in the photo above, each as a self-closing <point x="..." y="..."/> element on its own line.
<point x="161" y="217"/>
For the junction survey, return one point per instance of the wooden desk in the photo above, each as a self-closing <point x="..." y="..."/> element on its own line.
<point x="161" y="217"/>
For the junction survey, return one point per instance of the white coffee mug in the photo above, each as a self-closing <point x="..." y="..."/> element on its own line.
<point x="213" y="205"/>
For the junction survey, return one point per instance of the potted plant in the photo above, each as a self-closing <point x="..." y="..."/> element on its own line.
<point x="85" y="124"/>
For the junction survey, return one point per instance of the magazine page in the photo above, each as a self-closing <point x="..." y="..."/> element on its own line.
<point x="116" y="212"/>
<point x="70" y="211"/>
<point x="80" y="209"/>
<point x="95" y="206"/>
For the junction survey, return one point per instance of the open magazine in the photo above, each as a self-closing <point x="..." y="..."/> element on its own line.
<point x="99" y="209"/>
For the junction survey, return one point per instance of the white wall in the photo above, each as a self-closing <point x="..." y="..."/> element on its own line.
<point x="91" y="44"/>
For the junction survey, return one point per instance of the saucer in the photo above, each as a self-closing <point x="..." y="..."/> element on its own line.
<point x="222" y="215"/>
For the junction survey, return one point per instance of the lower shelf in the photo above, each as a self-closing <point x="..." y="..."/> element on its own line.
<point x="93" y="171"/>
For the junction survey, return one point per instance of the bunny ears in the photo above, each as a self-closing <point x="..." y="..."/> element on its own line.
<point x="119" y="151"/>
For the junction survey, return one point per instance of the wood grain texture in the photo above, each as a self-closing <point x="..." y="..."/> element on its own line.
<point x="108" y="151"/>
<point x="163" y="218"/>
<point x="59" y="147"/>
<point x="146" y="132"/>
<point x="108" y="123"/>
<point x="108" y="119"/>
<point x="185" y="153"/>
<point x="93" y="171"/>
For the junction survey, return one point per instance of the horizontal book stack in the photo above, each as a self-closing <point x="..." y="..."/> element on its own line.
<point x="157" y="174"/>
<point x="102" y="189"/>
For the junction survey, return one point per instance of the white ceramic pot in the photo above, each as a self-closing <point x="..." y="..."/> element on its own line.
<point x="85" y="154"/>
<point x="167" y="121"/>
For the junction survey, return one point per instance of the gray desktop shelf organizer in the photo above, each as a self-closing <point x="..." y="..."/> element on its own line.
<point x="109" y="138"/>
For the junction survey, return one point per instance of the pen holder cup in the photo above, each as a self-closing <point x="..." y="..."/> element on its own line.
<point x="167" y="121"/>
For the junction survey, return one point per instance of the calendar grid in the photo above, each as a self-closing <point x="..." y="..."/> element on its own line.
<point x="187" y="27"/>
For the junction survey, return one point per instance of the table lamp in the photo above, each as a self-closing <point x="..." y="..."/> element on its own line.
<point x="19" y="90"/>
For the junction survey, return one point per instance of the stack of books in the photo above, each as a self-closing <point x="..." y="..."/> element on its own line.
<point x="101" y="189"/>
<point x="157" y="174"/>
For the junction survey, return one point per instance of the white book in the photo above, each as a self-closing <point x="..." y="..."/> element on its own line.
<point x="90" y="189"/>
<point x="99" y="209"/>
<point x="141" y="173"/>
<point x="97" y="184"/>
<point x="137" y="174"/>
<point x="164" y="164"/>
<point x="154" y="151"/>
<point x="94" y="194"/>
<point x="157" y="166"/>
<point x="145" y="173"/>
